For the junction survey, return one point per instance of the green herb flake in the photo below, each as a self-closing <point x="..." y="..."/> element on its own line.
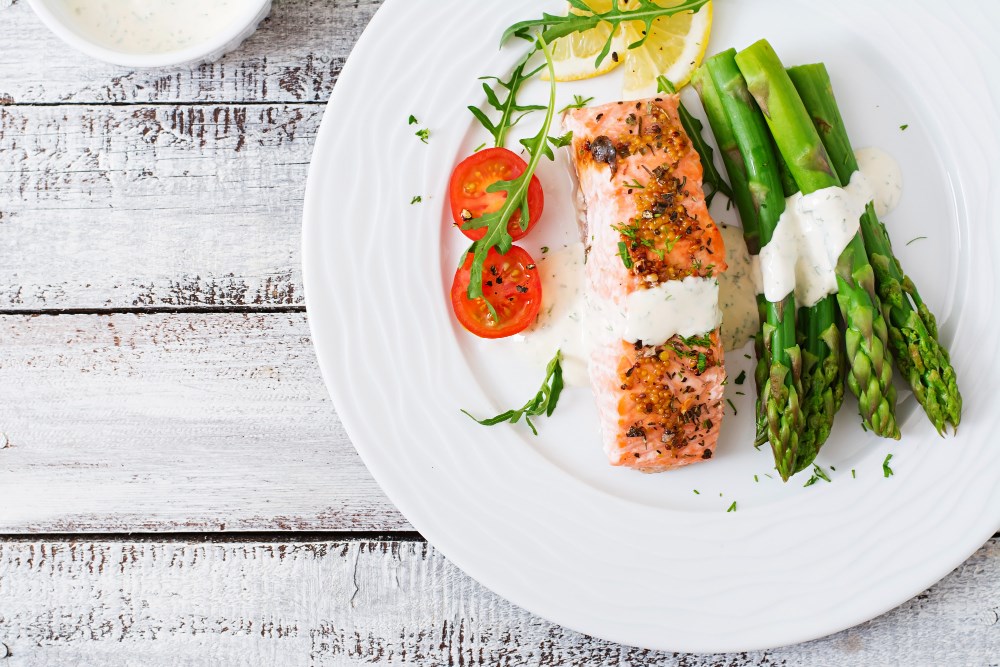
<point x="732" y="406"/>
<point x="819" y="472"/>
<point x="579" y="101"/>
<point x="479" y="147"/>
<point x="915" y="239"/>
<point x="702" y="365"/>
<point x="543" y="403"/>
<point x="741" y="378"/>
<point x="755" y="478"/>
<point x="563" y="141"/>
<point x="886" y="470"/>
<point x="747" y="356"/>
<point x="732" y="508"/>
<point x="904" y="126"/>
<point x="635" y="184"/>
<point x="697" y="492"/>
<point x="854" y="474"/>
<point x="413" y="120"/>
<point x="424" y="135"/>
<point x="416" y="200"/>
<point x="545" y="249"/>
<point x="623" y="253"/>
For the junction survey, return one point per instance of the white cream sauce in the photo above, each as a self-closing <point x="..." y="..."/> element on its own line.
<point x="809" y="238"/>
<point x="152" y="26"/>
<point x="560" y="323"/>
<point x="737" y="292"/>
<point x="688" y="307"/>
<point x="884" y="176"/>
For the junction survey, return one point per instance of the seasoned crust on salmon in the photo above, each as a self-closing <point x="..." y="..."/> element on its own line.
<point x="647" y="223"/>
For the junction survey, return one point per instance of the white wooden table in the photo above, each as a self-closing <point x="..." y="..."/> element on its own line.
<point x="175" y="486"/>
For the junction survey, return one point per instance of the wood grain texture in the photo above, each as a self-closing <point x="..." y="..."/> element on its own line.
<point x="295" y="56"/>
<point x="163" y="206"/>
<point x="392" y="603"/>
<point x="174" y="422"/>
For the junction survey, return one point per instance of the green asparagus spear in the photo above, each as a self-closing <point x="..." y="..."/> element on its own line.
<point x="782" y="389"/>
<point x="922" y="360"/>
<point x="823" y="363"/>
<point x="733" y="162"/>
<point x="866" y="335"/>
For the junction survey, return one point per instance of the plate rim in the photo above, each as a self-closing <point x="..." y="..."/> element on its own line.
<point x="435" y="534"/>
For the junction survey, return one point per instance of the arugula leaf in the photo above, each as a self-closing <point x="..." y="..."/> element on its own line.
<point x="579" y="101"/>
<point x="510" y="111"/>
<point x="695" y="131"/>
<point x="543" y="403"/>
<point x="517" y="192"/>
<point x="584" y="18"/>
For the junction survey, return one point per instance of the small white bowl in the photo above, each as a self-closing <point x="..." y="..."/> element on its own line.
<point x="210" y="49"/>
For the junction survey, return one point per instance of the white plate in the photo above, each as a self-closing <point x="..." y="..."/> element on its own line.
<point x="545" y="522"/>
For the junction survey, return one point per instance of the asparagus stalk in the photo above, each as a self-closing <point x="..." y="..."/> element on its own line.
<point x="823" y="363"/>
<point x="733" y="163"/>
<point x="866" y="334"/>
<point x="922" y="360"/>
<point x="782" y="390"/>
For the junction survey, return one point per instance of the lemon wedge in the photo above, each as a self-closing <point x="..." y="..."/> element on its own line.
<point x="573" y="56"/>
<point x="674" y="49"/>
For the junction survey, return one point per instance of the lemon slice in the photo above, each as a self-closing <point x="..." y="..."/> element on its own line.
<point x="674" y="49"/>
<point x="573" y="56"/>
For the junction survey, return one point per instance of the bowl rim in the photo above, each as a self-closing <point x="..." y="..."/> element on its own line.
<point x="255" y="12"/>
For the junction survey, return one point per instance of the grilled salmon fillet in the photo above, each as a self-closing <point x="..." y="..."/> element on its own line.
<point x="647" y="223"/>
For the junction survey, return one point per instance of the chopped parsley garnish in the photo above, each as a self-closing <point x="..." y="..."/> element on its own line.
<point x="915" y="239"/>
<point x="423" y="134"/>
<point x="732" y="406"/>
<point x="732" y="508"/>
<point x="623" y="252"/>
<point x="886" y="470"/>
<point x="818" y="474"/>
<point x="543" y="403"/>
<point x="904" y="126"/>
<point x="854" y="474"/>
<point x="413" y="120"/>
<point x="579" y="101"/>
<point x="635" y="184"/>
<point x="692" y="341"/>
<point x="697" y="492"/>
<point x="479" y="147"/>
<point x="626" y="230"/>
<point x="702" y="363"/>
<point x="755" y="478"/>
<point x="416" y="200"/>
<point x="545" y="249"/>
<point x="741" y="378"/>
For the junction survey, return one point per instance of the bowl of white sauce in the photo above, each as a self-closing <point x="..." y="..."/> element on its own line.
<point x="152" y="33"/>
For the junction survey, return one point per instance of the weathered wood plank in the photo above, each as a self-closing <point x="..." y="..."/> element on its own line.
<point x="394" y="603"/>
<point x="295" y="56"/>
<point x="171" y="206"/>
<point x="174" y="422"/>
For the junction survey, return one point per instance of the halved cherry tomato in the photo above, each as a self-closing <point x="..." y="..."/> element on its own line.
<point x="469" y="198"/>
<point x="512" y="286"/>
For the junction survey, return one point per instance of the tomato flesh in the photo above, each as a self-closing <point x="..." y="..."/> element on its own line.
<point x="469" y="198"/>
<point x="511" y="284"/>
